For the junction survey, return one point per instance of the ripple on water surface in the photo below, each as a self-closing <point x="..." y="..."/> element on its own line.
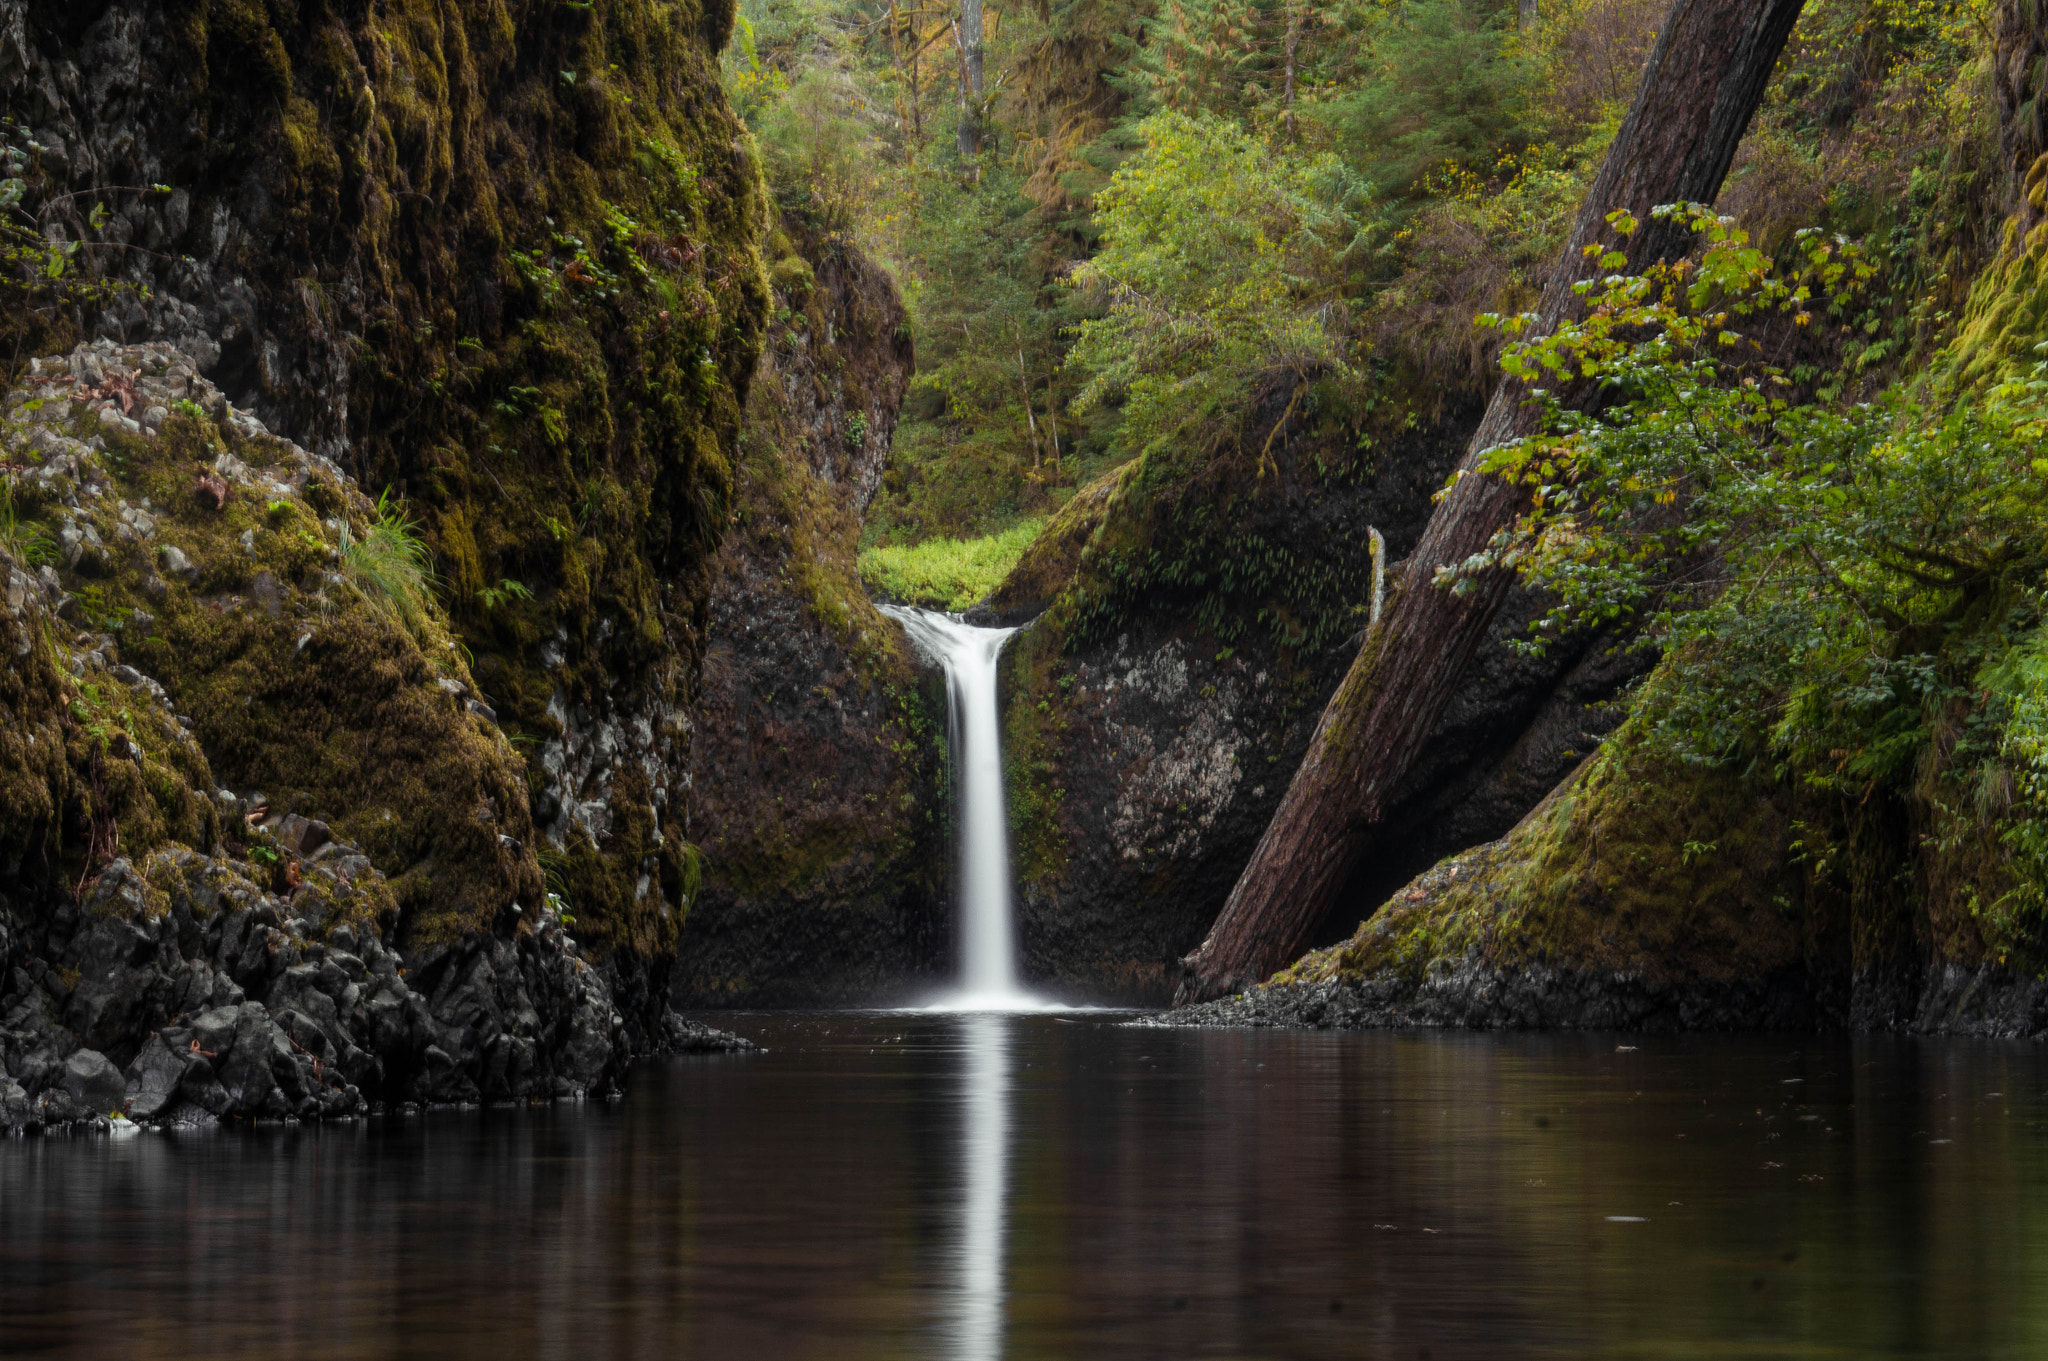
<point x="891" y="1184"/>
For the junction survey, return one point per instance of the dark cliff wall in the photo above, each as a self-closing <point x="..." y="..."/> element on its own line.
<point x="819" y="786"/>
<point x="1192" y="632"/>
<point x="500" y="257"/>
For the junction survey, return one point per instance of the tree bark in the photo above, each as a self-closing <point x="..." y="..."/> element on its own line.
<point x="1293" y="49"/>
<point x="1705" y="76"/>
<point x="969" y="37"/>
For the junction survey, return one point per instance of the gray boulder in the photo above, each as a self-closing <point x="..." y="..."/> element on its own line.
<point x="94" y="1083"/>
<point x="17" y="1110"/>
<point x="154" y="1079"/>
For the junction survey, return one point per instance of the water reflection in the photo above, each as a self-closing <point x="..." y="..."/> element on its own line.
<point x="917" y="1186"/>
<point x="977" y="1328"/>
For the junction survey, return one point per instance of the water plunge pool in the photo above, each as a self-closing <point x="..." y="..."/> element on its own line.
<point x="978" y="1186"/>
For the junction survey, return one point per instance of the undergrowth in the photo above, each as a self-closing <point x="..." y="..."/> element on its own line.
<point x="23" y="540"/>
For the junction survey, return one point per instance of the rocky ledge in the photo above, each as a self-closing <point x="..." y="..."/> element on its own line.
<point x="1470" y="996"/>
<point x="228" y="1001"/>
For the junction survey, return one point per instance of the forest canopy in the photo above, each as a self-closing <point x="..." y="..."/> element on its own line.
<point x="1126" y="222"/>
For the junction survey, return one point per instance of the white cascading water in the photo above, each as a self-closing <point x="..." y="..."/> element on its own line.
<point x="988" y="954"/>
<point x="988" y="970"/>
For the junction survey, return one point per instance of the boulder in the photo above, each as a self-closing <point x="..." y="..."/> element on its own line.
<point x="94" y="1082"/>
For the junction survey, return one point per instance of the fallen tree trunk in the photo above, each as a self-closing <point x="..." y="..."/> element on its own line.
<point x="1705" y="76"/>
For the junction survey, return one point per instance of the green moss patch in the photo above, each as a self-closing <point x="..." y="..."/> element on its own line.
<point x="947" y="574"/>
<point x="208" y="556"/>
<point x="1634" y="866"/>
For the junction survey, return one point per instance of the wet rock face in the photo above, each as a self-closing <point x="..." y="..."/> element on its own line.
<point x="817" y="793"/>
<point x="1168" y="763"/>
<point x="818" y="806"/>
<point x="1144" y="769"/>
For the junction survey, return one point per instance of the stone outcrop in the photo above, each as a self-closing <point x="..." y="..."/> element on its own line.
<point x="819" y="793"/>
<point x="186" y="628"/>
<point x="1158" y="708"/>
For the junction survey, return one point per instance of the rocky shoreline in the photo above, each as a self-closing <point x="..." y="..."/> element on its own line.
<point x="1951" y="1000"/>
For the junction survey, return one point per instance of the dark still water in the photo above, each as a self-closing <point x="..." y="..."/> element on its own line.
<point x="978" y="1187"/>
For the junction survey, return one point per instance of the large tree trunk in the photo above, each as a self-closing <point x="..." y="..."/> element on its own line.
<point x="969" y="37"/>
<point x="1704" y="78"/>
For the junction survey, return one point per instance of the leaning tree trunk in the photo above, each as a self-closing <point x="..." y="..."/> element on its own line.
<point x="1704" y="78"/>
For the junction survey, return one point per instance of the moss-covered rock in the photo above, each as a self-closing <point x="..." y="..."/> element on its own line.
<point x="210" y="556"/>
<point x="1192" y="625"/>
<point x="250" y="804"/>
<point x="819" y="793"/>
<point x="1649" y="894"/>
<point x="1640" y="893"/>
<point x="501" y="258"/>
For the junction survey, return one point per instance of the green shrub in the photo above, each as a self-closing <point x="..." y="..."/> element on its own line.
<point x="949" y="574"/>
<point x="1444" y="87"/>
<point x="1224" y="263"/>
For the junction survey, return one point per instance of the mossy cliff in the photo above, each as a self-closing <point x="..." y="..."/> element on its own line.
<point x="502" y="259"/>
<point x="1190" y="626"/>
<point x="2007" y="312"/>
<point x="262" y="850"/>
<point x="819" y="780"/>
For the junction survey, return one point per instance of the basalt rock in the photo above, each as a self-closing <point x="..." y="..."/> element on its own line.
<point x="173" y="938"/>
<point x="1158" y="708"/>
<point x="818" y="793"/>
<point x="221" y="1003"/>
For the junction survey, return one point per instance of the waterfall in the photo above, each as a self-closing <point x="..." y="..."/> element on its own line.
<point x="988" y="945"/>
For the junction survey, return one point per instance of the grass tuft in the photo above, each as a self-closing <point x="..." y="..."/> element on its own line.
<point x="947" y="574"/>
<point x="390" y="564"/>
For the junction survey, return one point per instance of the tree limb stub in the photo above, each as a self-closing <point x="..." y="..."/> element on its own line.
<point x="1703" y="81"/>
